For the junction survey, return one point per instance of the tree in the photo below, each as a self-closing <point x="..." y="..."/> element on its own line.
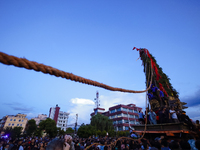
<point x="101" y="122"/>
<point x="60" y="132"/>
<point x="86" y="131"/>
<point x="13" y="132"/>
<point x="17" y="131"/>
<point x="31" y="127"/>
<point x="69" y="130"/>
<point x="49" y="126"/>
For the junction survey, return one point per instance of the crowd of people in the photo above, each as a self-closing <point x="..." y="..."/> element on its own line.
<point x="165" y="115"/>
<point x="102" y="143"/>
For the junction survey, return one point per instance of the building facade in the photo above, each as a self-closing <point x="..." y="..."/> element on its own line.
<point x="60" y="117"/>
<point x="122" y="116"/>
<point x="18" y="120"/>
<point x="40" y="118"/>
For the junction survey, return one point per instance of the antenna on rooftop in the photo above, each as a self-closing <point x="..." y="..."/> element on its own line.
<point x="97" y="100"/>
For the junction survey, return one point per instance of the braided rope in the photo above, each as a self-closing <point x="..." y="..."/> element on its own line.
<point x="31" y="65"/>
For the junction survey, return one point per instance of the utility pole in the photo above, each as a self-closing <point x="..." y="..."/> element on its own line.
<point x="76" y="124"/>
<point x="97" y="100"/>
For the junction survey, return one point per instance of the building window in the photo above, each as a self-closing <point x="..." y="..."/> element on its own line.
<point x="119" y="115"/>
<point x="9" y="124"/>
<point x="120" y="128"/>
<point x="10" y="119"/>
<point x="136" y="117"/>
<point x="112" y="111"/>
<point x="119" y="121"/>
<point x="14" y="120"/>
<point x="13" y="124"/>
<point x="119" y="109"/>
<point x="19" y="120"/>
<point x="126" y="128"/>
<point x="135" y="111"/>
<point x="20" y="124"/>
<point x="17" y="124"/>
<point x="125" y="115"/>
<point x="22" y="120"/>
<point x="131" y="116"/>
<point x="63" y="121"/>
<point x="130" y="110"/>
<point x="112" y="116"/>
<point x="61" y="114"/>
<point x="124" y="109"/>
<point x="114" y="122"/>
<point x="126" y="121"/>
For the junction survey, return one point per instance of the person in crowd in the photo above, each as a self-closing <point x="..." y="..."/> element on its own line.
<point x="164" y="145"/>
<point x="197" y="144"/>
<point x="151" y="96"/>
<point x="173" y="115"/>
<point x="147" y="116"/>
<point x="184" y="145"/>
<point x="158" y="111"/>
<point x="191" y="141"/>
<point x="32" y="144"/>
<point x="42" y="146"/>
<point x="184" y="118"/>
<point x="10" y="144"/>
<point x="162" y="97"/>
<point x="152" y="116"/>
<point x="68" y="139"/>
<point x="58" y="144"/>
<point x="154" y="89"/>
<point x="174" y="145"/>
<point x="168" y="118"/>
<point x="163" y="116"/>
<point x="141" y="117"/>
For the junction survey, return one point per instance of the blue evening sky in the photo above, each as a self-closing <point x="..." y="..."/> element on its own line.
<point x="94" y="39"/>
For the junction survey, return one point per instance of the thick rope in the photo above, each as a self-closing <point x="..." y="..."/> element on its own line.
<point x="31" y="65"/>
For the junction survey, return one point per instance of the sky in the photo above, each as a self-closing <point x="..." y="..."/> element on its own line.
<point x="94" y="39"/>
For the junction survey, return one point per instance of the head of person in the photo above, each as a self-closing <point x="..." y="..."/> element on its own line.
<point x="68" y="139"/>
<point x="58" y="144"/>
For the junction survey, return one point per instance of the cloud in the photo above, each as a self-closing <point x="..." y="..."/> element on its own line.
<point x="32" y="115"/>
<point x="82" y="101"/>
<point x="193" y="112"/>
<point x="19" y="106"/>
<point x="192" y="100"/>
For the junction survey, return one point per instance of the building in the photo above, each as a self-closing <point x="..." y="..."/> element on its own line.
<point x="121" y="115"/>
<point x="19" y="120"/>
<point x="40" y="118"/>
<point x="60" y="117"/>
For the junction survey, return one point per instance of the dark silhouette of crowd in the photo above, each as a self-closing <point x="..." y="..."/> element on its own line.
<point x="100" y="143"/>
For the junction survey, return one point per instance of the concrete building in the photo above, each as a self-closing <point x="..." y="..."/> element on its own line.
<point x="60" y="117"/>
<point x="121" y="115"/>
<point x="40" y="118"/>
<point x="18" y="120"/>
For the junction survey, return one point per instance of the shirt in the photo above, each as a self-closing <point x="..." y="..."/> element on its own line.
<point x="174" y="116"/>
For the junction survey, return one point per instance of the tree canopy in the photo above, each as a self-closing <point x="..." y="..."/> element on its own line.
<point x="49" y="126"/>
<point x="31" y="127"/>
<point x="101" y="122"/>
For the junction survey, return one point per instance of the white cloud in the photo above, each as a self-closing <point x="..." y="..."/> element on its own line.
<point x="193" y="112"/>
<point x="82" y="101"/>
<point x="32" y="115"/>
